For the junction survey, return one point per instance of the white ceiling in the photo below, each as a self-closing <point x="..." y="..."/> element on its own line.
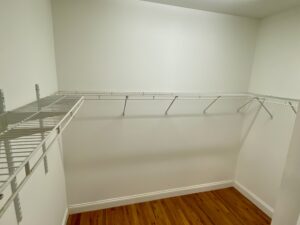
<point x="249" y="8"/>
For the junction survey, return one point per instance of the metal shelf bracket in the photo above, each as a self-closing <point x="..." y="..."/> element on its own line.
<point x="169" y="107"/>
<point x="211" y="104"/>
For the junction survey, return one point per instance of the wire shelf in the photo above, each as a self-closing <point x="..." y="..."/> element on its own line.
<point x="25" y="136"/>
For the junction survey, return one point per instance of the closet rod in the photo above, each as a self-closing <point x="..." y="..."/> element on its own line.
<point x="273" y="97"/>
<point x="171" y="95"/>
<point x="150" y="94"/>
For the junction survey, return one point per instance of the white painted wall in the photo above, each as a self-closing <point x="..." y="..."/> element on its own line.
<point x="132" y="45"/>
<point x="140" y="46"/>
<point x="276" y="72"/>
<point x="298" y="221"/>
<point x="263" y="153"/>
<point x="288" y="205"/>
<point x="43" y="198"/>
<point x="27" y="57"/>
<point x="276" y="66"/>
<point x="107" y="156"/>
<point x="26" y="50"/>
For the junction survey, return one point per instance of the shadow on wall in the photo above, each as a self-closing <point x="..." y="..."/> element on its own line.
<point x="251" y="124"/>
<point x="116" y="159"/>
<point x="130" y="117"/>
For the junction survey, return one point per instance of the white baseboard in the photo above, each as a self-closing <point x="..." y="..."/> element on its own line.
<point x="254" y="199"/>
<point x="65" y="218"/>
<point x="132" y="199"/>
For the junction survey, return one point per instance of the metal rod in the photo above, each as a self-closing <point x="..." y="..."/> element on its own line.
<point x="27" y="132"/>
<point x="91" y="96"/>
<point x="213" y="102"/>
<point x="293" y="108"/>
<point x="26" y="143"/>
<point x="161" y="98"/>
<point x="41" y="122"/>
<point x="273" y="97"/>
<point x="2" y="102"/>
<point x="20" y="148"/>
<point x="16" y="156"/>
<point x="10" y="163"/>
<point x="151" y="94"/>
<point x="17" y="152"/>
<point x="265" y="108"/>
<point x="125" y="104"/>
<point x="166" y="113"/>
<point x="243" y="106"/>
<point x="9" y="167"/>
<point x="29" y="137"/>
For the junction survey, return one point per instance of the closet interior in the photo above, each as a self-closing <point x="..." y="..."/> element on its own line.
<point x="149" y="112"/>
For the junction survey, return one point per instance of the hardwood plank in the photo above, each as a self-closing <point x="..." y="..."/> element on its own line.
<point x="221" y="207"/>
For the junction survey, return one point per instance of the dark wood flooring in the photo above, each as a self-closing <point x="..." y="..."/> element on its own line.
<point x="221" y="207"/>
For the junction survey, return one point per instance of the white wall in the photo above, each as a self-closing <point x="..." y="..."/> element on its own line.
<point x="43" y="198"/>
<point x="132" y="45"/>
<point x="140" y="46"/>
<point x="275" y="72"/>
<point x="107" y="156"/>
<point x="263" y="153"/>
<point x="288" y="205"/>
<point x="27" y="57"/>
<point x="26" y="50"/>
<point x="276" y="66"/>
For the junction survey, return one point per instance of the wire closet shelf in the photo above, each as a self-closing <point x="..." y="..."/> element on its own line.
<point x="212" y="99"/>
<point x="25" y="137"/>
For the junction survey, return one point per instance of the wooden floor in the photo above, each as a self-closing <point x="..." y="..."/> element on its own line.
<point x="222" y="207"/>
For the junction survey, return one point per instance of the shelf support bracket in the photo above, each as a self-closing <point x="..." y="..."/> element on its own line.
<point x="10" y="163"/>
<point x="264" y="107"/>
<point x="211" y="104"/>
<point x="293" y="108"/>
<point x="38" y="98"/>
<point x="243" y="106"/>
<point x="166" y="113"/>
<point x="125" y="104"/>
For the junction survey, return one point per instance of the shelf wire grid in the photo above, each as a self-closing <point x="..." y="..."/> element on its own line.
<point x="24" y="131"/>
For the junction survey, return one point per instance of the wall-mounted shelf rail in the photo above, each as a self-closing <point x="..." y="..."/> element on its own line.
<point x="25" y="137"/>
<point x="249" y="98"/>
